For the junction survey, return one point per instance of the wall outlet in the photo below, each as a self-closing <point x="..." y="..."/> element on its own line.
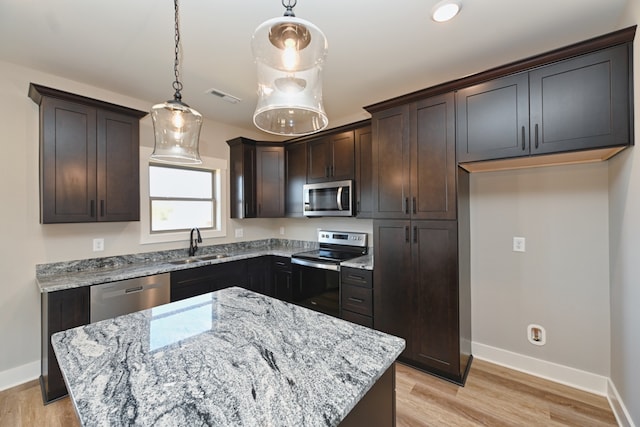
<point x="98" y="245"/>
<point x="518" y="244"/>
<point x="282" y="231"/>
<point x="536" y="335"/>
<point x="239" y="232"/>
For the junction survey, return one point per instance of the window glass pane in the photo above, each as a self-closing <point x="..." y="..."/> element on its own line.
<point x="180" y="183"/>
<point x="181" y="214"/>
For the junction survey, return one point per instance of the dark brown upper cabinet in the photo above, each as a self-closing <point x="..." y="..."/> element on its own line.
<point x="295" y="178"/>
<point x="89" y="158"/>
<point x="579" y="103"/>
<point x="257" y="179"/>
<point x="363" y="172"/>
<point x="331" y="157"/>
<point x="414" y="165"/>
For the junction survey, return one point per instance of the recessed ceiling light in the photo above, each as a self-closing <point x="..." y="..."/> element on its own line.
<point x="445" y="10"/>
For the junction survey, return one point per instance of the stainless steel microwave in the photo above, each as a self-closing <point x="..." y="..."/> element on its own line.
<point x="328" y="198"/>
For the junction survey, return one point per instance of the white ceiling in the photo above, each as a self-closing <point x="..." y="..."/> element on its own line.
<point x="377" y="49"/>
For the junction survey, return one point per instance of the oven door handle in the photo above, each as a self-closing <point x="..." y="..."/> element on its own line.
<point x="321" y="265"/>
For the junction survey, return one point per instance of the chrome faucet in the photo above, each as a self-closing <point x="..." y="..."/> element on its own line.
<point x="193" y="243"/>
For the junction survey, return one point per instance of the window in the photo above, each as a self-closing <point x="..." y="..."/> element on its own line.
<point x="174" y="199"/>
<point x="181" y="198"/>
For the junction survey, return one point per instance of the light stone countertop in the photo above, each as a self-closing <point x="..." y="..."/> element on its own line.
<point x="73" y="274"/>
<point x="229" y="358"/>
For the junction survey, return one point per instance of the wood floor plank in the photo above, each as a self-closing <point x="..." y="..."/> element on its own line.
<point x="493" y="396"/>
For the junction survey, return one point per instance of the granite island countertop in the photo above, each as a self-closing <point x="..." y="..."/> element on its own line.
<point x="231" y="357"/>
<point x="73" y="274"/>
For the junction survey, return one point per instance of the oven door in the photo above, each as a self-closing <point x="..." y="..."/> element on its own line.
<point x="316" y="285"/>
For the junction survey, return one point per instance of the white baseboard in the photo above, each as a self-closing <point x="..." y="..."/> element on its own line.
<point x="566" y="375"/>
<point x="617" y="406"/>
<point x="19" y="375"/>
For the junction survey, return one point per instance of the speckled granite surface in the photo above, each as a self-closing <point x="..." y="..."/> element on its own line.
<point x="229" y="358"/>
<point x="73" y="274"/>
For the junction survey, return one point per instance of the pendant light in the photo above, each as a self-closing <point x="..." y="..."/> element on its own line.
<point x="176" y="125"/>
<point x="289" y="53"/>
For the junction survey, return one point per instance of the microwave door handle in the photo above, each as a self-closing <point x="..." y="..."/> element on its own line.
<point x="339" y="197"/>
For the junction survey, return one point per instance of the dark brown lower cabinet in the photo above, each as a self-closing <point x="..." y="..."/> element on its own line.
<point x="356" y="296"/>
<point x="259" y="275"/>
<point x="282" y="287"/>
<point x="417" y="294"/>
<point x="209" y="278"/>
<point x="61" y="310"/>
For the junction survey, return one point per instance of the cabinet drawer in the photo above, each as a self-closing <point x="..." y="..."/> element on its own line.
<point x="356" y="276"/>
<point x="357" y="318"/>
<point x="357" y="299"/>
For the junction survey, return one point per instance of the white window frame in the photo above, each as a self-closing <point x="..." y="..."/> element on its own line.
<point x="218" y="166"/>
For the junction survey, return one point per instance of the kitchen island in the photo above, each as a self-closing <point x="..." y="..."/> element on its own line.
<point x="231" y="357"/>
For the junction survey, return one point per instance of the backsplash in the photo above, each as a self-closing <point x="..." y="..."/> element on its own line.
<point x="145" y="257"/>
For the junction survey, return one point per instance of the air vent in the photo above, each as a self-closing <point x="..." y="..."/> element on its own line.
<point x="220" y="94"/>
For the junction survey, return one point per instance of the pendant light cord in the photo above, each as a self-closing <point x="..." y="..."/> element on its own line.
<point x="177" y="86"/>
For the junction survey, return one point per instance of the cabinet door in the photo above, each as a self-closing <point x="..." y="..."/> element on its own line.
<point x="363" y="183"/>
<point x="342" y="153"/>
<point x="61" y="310"/>
<point x="394" y="291"/>
<point x="118" y="167"/>
<point x="433" y="163"/>
<point x="270" y="181"/>
<point x="242" y="178"/>
<point x="493" y="119"/>
<point x="282" y="287"/>
<point x="259" y="277"/>
<point x="68" y="162"/>
<point x="319" y="160"/>
<point x="391" y="163"/>
<point x="435" y="320"/>
<point x="581" y="103"/>
<point x="295" y="178"/>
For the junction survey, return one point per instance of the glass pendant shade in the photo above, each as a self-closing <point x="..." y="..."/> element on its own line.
<point x="177" y="130"/>
<point x="289" y="53"/>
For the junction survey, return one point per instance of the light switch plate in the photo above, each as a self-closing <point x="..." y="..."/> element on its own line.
<point x="239" y="232"/>
<point x="518" y="244"/>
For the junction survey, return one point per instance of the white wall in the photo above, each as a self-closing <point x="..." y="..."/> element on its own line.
<point x="561" y="282"/>
<point x="624" y="224"/>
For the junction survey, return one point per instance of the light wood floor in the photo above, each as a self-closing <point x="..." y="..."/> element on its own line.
<point x="493" y="396"/>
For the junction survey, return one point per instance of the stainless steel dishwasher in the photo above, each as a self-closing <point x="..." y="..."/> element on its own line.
<point x="127" y="296"/>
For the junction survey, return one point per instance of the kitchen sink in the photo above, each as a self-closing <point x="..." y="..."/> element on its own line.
<point x="214" y="256"/>
<point x="184" y="261"/>
<point x="191" y="260"/>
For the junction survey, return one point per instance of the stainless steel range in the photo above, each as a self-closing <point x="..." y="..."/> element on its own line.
<point x="316" y="274"/>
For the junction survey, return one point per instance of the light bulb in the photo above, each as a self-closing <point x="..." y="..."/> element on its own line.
<point x="177" y="119"/>
<point x="290" y="56"/>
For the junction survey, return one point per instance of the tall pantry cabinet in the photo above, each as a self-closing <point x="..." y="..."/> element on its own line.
<point x="421" y="235"/>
